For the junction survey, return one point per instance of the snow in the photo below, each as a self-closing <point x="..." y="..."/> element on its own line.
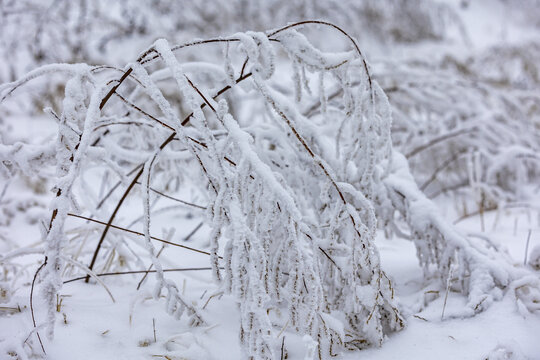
<point x="298" y="254"/>
<point x="98" y="328"/>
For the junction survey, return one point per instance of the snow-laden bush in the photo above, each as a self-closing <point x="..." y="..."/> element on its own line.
<point x="38" y="32"/>
<point x="293" y="192"/>
<point x="468" y="127"/>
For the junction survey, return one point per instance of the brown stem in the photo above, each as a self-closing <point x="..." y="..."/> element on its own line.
<point x="150" y="268"/>
<point x="142" y="60"/>
<point x="113" y="89"/>
<point x="176" y="199"/>
<point x="139" y="233"/>
<point x="139" y="173"/>
<point x="119" y="205"/>
<point x="325" y="23"/>
<point x="115" y="187"/>
<point x="437" y="140"/>
<point x="163" y="248"/>
<point x="32" y="302"/>
<point x="130" y="104"/>
<point x="140" y="272"/>
<point x="439" y="169"/>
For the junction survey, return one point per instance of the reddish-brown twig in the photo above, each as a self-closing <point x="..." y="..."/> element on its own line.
<point x="139" y="233"/>
<point x="32" y="302"/>
<point x="139" y="173"/>
<point x="140" y="272"/>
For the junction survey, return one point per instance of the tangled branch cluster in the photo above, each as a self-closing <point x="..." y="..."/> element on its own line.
<point x="297" y="179"/>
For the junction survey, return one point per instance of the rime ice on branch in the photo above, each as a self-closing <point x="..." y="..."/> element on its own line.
<point x="295" y="192"/>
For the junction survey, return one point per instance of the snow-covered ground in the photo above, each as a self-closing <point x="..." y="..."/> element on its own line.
<point x="91" y="326"/>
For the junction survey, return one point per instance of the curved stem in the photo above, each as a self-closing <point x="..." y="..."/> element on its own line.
<point x="32" y="302"/>
<point x="139" y="173"/>
<point x="140" y="234"/>
<point x="140" y="272"/>
<point x="329" y="24"/>
<point x="142" y="60"/>
<point x="118" y="206"/>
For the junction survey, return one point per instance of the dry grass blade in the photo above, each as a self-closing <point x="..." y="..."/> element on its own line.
<point x="90" y="273"/>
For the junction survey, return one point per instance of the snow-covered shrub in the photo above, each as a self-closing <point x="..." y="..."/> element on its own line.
<point x="294" y="181"/>
<point x="39" y="32"/>
<point x="467" y="127"/>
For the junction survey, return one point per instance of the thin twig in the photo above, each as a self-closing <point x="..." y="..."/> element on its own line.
<point x="474" y="213"/>
<point x="193" y="232"/>
<point x="89" y="273"/>
<point x="329" y="258"/>
<point x="439" y="169"/>
<point x="115" y="187"/>
<point x="283" y="348"/>
<point x="163" y="247"/>
<point x="200" y="94"/>
<point x="139" y="173"/>
<point x="150" y="268"/>
<point x="119" y="205"/>
<point x="325" y="23"/>
<point x="132" y="105"/>
<point x="175" y="199"/>
<point x="140" y="272"/>
<point x="437" y="140"/>
<point x="113" y="89"/>
<point x="32" y="302"/>
<point x="140" y="234"/>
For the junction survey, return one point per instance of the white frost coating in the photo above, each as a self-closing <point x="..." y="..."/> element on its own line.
<point x="19" y="252"/>
<point x="152" y="90"/>
<point x="365" y="293"/>
<point x="534" y="258"/>
<point x="213" y="165"/>
<point x="482" y="271"/>
<point x="178" y="73"/>
<point x="323" y="98"/>
<point x="215" y="72"/>
<point x="175" y="304"/>
<point x="27" y="158"/>
<point x="71" y="152"/>
<point x="70" y="69"/>
<point x="242" y="140"/>
<point x="228" y="67"/>
<point x="260" y="53"/>
<point x="293" y="199"/>
<point x="280" y="208"/>
<point x="249" y="46"/>
<point x="297" y="45"/>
